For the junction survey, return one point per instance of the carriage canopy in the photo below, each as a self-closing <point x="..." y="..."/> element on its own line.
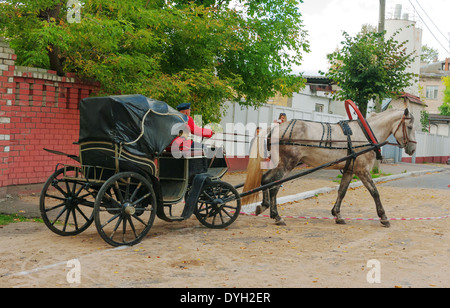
<point x="143" y="126"/>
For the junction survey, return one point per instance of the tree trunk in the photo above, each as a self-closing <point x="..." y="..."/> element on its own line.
<point x="55" y="59"/>
<point x="51" y="15"/>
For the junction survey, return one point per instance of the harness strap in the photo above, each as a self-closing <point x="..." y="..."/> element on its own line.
<point x="364" y="126"/>
<point x="350" y="152"/>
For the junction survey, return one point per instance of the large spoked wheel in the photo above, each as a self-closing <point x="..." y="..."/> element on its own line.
<point x="125" y="209"/>
<point x="66" y="204"/>
<point x="218" y="205"/>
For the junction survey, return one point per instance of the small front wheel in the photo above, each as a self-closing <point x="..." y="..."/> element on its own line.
<point x="124" y="209"/>
<point x="218" y="205"/>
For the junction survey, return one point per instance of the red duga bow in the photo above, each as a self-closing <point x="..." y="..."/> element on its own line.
<point x="349" y="103"/>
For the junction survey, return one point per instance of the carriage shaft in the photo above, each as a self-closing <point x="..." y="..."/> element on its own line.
<point x="306" y="172"/>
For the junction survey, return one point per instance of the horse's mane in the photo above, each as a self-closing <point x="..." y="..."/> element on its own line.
<point x="390" y="110"/>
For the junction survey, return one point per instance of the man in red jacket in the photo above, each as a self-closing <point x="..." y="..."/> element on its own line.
<point x="180" y="143"/>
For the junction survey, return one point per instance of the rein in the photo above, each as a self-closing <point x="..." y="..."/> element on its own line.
<point x="298" y="142"/>
<point x="326" y="143"/>
<point x="371" y="139"/>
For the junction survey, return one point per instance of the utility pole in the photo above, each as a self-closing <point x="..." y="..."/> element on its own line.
<point x="381" y="30"/>
<point x="382" y="16"/>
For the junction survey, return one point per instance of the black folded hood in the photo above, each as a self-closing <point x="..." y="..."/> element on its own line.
<point x="144" y="126"/>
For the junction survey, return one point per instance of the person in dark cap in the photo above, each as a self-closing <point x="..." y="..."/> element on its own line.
<point x="184" y="107"/>
<point x="183" y="144"/>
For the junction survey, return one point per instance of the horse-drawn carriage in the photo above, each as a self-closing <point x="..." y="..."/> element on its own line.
<point x="125" y="177"/>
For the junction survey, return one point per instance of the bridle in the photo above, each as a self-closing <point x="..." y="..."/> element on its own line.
<point x="404" y="131"/>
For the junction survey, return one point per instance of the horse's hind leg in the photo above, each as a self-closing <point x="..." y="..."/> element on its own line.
<point x="273" y="206"/>
<point x="270" y="195"/>
<point x="265" y="203"/>
<point x="370" y="185"/>
<point x="345" y="181"/>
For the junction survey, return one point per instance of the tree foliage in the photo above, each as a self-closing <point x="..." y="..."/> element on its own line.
<point x="429" y="54"/>
<point x="444" y="109"/>
<point x="203" y="51"/>
<point x="368" y="66"/>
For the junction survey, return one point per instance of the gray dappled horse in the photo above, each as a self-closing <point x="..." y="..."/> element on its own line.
<point x="304" y="141"/>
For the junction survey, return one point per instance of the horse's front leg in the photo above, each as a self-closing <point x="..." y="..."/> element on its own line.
<point x="343" y="187"/>
<point x="370" y="185"/>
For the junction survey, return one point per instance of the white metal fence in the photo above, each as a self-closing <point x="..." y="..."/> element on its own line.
<point x="429" y="145"/>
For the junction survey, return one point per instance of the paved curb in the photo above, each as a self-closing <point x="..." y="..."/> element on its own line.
<point x="311" y="193"/>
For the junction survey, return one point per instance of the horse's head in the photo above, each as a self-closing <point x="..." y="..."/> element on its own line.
<point x="405" y="134"/>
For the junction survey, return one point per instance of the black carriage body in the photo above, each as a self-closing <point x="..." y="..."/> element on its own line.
<point x="125" y="133"/>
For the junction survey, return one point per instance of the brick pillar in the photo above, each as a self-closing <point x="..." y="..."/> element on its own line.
<point x="7" y="93"/>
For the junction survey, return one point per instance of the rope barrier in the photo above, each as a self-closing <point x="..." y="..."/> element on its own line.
<point x="364" y="219"/>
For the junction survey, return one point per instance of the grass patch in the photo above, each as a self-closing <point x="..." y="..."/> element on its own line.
<point x="374" y="173"/>
<point x="12" y="218"/>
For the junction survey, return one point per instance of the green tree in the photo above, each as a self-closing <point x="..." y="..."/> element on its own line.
<point x="425" y="120"/>
<point x="370" y="67"/>
<point x="444" y="109"/>
<point x="429" y="54"/>
<point x="203" y="51"/>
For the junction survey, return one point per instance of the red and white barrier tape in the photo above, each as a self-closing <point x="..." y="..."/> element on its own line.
<point x="365" y="219"/>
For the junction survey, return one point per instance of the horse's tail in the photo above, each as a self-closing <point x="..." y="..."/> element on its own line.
<point x="254" y="171"/>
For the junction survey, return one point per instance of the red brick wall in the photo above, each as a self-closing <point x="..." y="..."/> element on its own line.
<point x="37" y="109"/>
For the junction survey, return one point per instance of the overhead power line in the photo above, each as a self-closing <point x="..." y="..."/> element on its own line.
<point x="437" y="40"/>
<point x="445" y="37"/>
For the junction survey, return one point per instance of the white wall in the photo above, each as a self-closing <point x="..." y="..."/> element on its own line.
<point x="411" y="33"/>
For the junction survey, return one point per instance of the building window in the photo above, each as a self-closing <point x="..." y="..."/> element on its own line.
<point x="432" y="92"/>
<point x="319" y="108"/>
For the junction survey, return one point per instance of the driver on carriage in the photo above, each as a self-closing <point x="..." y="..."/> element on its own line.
<point x="181" y="143"/>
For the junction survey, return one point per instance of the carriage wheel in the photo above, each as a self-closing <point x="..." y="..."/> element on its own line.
<point x="125" y="209"/>
<point x="66" y="205"/>
<point x="218" y="205"/>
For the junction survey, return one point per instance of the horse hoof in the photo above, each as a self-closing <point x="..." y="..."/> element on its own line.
<point x="280" y="222"/>
<point x="340" y="221"/>
<point x="385" y="223"/>
<point x="258" y="210"/>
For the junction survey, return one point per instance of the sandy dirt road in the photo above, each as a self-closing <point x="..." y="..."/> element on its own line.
<point x="252" y="252"/>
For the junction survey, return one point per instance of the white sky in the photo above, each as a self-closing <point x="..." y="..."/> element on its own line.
<point x="326" y="19"/>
